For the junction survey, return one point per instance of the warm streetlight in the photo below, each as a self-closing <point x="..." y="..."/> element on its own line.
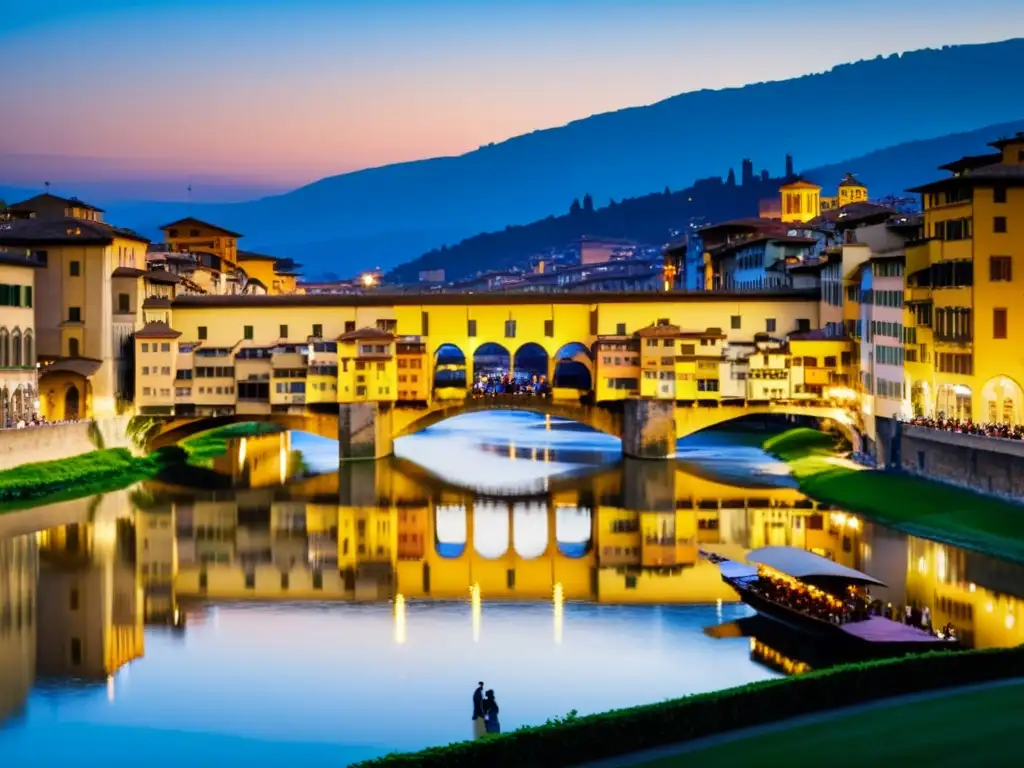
<point x="369" y="280"/>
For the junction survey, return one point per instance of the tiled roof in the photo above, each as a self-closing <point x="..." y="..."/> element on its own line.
<point x="62" y="231"/>
<point x="69" y="202"/>
<point x="199" y="223"/>
<point x="157" y="331"/>
<point x="998" y="173"/>
<point x="156" y="302"/>
<point x="366" y="333"/>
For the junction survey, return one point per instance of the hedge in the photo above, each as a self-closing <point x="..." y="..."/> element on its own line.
<point x="594" y="737"/>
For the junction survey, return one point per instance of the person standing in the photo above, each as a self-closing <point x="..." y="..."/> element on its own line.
<point x="479" y="723"/>
<point x="491" y="713"/>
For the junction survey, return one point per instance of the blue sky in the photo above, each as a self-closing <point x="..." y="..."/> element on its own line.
<point x="289" y="90"/>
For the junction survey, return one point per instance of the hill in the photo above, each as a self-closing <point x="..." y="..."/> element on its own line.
<point x="388" y="214"/>
<point x="656" y="218"/>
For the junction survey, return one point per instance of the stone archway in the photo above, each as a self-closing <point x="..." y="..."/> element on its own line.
<point x="921" y="402"/>
<point x="1002" y="401"/>
<point x="573" y="367"/>
<point x="449" y="368"/>
<point x="5" y="407"/>
<point x="72" y="403"/>
<point x="953" y="401"/>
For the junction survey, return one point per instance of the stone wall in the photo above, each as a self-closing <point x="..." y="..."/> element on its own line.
<point x="60" y="441"/>
<point x="649" y="429"/>
<point x="988" y="465"/>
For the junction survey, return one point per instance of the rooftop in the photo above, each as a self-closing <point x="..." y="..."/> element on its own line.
<point x="157" y="331"/>
<point x="998" y="173"/>
<point x="61" y="231"/>
<point x="361" y="334"/>
<point x="191" y="220"/>
<point x="46" y="197"/>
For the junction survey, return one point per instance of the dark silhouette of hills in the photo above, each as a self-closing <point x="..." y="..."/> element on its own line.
<point x="656" y="218"/>
<point x="389" y="214"/>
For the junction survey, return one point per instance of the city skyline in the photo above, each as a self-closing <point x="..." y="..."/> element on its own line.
<point x="358" y="85"/>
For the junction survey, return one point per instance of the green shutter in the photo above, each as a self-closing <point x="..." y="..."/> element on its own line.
<point x="28" y="295"/>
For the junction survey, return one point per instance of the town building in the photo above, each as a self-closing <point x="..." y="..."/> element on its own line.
<point x="19" y="385"/>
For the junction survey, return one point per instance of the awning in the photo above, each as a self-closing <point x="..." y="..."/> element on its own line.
<point x="807" y="566"/>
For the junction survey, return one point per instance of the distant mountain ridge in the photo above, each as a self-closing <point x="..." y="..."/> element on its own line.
<point x="650" y="219"/>
<point x="384" y="216"/>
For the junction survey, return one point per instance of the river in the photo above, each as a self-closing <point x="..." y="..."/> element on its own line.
<point x="312" y="613"/>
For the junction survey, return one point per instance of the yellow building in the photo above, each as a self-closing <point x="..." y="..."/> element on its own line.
<point x="271" y="272"/>
<point x="801" y="201"/>
<point x="191" y="234"/>
<point x="617" y="367"/>
<point x="961" y="291"/>
<point x="367" y="369"/>
<point x="819" y="365"/>
<point x="414" y="384"/>
<point x="18" y="375"/>
<point x="47" y="206"/>
<point x="83" y="329"/>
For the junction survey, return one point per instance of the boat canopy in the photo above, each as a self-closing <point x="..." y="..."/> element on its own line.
<point x="808" y="567"/>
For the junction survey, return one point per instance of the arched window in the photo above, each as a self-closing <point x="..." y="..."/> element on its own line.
<point x="30" y="351"/>
<point x="16" y="348"/>
<point x="5" y="349"/>
<point x="72" y="347"/>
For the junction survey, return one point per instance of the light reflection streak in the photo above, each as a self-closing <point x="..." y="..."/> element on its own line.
<point x="474" y="596"/>
<point x="400" y="619"/>
<point x="559" y="601"/>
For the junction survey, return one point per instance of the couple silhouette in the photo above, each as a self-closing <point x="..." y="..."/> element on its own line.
<point x="485" y="712"/>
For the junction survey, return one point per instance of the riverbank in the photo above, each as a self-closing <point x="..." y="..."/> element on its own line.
<point x="111" y="469"/>
<point x="911" y="504"/>
<point x="580" y="740"/>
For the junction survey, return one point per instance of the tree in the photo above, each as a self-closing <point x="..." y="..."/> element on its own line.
<point x="575" y="207"/>
<point x="588" y="203"/>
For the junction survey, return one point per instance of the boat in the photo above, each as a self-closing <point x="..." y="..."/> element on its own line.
<point x="828" y="581"/>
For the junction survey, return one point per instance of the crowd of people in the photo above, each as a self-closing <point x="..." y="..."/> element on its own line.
<point x="810" y="602"/>
<point x="35" y="421"/>
<point x="510" y="384"/>
<point x="968" y="427"/>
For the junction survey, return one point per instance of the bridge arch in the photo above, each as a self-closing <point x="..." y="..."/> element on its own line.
<point x="490" y="359"/>
<point x="530" y="529"/>
<point x="530" y="360"/>
<point x="491" y="535"/>
<point x="694" y="419"/>
<point x="450" y="530"/>
<point x="1002" y="401"/>
<point x="574" y="531"/>
<point x="176" y="429"/>
<point x="573" y="367"/>
<point x="449" y="367"/>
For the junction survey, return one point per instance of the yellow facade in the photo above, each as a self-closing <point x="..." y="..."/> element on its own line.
<point x="801" y="201"/>
<point x="191" y="234"/>
<point x="961" y="293"/>
<point x="367" y="366"/>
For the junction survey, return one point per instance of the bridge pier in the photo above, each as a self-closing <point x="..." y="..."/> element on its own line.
<point x="364" y="431"/>
<point x="649" y="429"/>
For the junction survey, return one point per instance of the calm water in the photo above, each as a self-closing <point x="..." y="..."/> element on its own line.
<point x="348" y="614"/>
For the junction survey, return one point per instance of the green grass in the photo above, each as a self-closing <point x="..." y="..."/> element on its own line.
<point x="914" y="505"/>
<point x="976" y="728"/>
<point x="87" y="474"/>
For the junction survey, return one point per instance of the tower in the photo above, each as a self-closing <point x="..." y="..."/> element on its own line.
<point x="789" y="167"/>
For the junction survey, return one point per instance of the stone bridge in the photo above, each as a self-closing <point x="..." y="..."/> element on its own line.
<point x="648" y="428"/>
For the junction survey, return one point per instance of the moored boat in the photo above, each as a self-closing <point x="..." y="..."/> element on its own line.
<point x="815" y="595"/>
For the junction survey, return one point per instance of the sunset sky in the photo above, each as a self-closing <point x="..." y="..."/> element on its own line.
<point x="285" y="91"/>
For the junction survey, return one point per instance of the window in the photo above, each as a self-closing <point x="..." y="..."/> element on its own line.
<point x="425" y="323"/>
<point x="28" y="295"/>
<point x="1000" y="269"/>
<point x="803" y="324"/>
<point x="318" y="331"/>
<point x="620" y="329"/>
<point x="124" y="303"/>
<point x="74" y="314"/>
<point x="201" y="332"/>
<point x="247" y="332"/>
<point x="999" y="195"/>
<point x="350" y="325"/>
<point x="471" y="328"/>
<point x="41" y="256"/>
<point x="549" y="328"/>
<point x="510" y="329"/>
<point x="283" y="331"/>
<point x="999" y="224"/>
<point x="734" y="322"/>
<point x="165" y="347"/>
<point x="74" y="268"/>
<point x="769" y="324"/>
<point x="999" y="323"/>
<point x="72" y="347"/>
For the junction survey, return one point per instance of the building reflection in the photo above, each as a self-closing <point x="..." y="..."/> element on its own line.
<point x="75" y="596"/>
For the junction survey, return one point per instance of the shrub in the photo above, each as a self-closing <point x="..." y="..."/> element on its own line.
<point x="575" y="740"/>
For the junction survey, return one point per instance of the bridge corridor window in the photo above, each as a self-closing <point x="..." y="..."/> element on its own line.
<point x="735" y="322"/>
<point x="471" y="328"/>
<point x="510" y="329"/>
<point x="201" y="333"/>
<point x="283" y="331"/>
<point x="549" y="328"/>
<point x="247" y="332"/>
<point x="318" y="331"/>
<point x="769" y="324"/>
<point x="620" y="329"/>
<point x="425" y="323"/>
<point x="350" y="326"/>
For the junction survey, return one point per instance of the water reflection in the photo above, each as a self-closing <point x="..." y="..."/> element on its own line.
<point x="445" y="569"/>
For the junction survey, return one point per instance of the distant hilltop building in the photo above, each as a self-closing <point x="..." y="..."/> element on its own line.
<point x="800" y="201"/>
<point x="431" y="275"/>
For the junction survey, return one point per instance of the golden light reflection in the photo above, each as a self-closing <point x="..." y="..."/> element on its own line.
<point x="400" y="619"/>
<point x="110" y="688"/>
<point x="559" y="600"/>
<point x="283" y="461"/>
<point x="547" y="422"/>
<point x="774" y="659"/>
<point x="474" y="597"/>
<point x="512" y="451"/>
<point x="241" y="453"/>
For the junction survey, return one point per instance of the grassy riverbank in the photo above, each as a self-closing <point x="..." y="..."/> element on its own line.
<point x="95" y="472"/>
<point x="577" y="740"/>
<point x="911" y="504"/>
<point x="980" y="725"/>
